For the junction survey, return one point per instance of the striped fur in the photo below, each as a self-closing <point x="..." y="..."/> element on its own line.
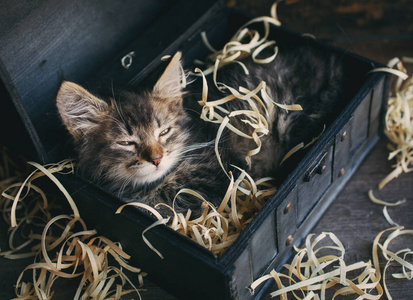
<point x="145" y="147"/>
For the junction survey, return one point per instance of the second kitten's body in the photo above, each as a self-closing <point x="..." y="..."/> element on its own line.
<point x="310" y="76"/>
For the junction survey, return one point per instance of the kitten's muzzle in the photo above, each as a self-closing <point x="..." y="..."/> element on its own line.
<point x="152" y="154"/>
<point x="156" y="160"/>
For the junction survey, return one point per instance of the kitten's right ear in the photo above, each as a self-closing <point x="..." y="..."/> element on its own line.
<point x="170" y="83"/>
<point x="79" y="109"/>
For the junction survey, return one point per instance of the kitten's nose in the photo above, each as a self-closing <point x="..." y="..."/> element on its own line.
<point x="156" y="160"/>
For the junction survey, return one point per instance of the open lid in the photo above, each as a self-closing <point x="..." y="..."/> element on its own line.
<point x="42" y="42"/>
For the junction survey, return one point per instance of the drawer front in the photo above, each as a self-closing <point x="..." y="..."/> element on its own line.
<point x="242" y="277"/>
<point x="287" y="220"/>
<point x="315" y="183"/>
<point x="254" y="260"/>
<point x="342" y="151"/>
<point x="360" y="125"/>
<point x="377" y="107"/>
<point x="264" y="246"/>
<point x="352" y="138"/>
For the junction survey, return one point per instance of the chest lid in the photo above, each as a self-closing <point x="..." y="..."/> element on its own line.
<point x="44" y="42"/>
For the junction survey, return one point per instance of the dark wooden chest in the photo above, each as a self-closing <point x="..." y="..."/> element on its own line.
<point x="42" y="42"/>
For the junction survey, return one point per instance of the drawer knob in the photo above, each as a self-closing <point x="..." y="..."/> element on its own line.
<point x="289" y="240"/>
<point x="288" y="208"/>
<point x="321" y="169"/>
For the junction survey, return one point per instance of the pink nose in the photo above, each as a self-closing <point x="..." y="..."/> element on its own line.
<point x="156" y="160"/>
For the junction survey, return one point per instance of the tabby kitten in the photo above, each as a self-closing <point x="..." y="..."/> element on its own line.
<point x="142" y="147"/>
<point x="145" y="147"/>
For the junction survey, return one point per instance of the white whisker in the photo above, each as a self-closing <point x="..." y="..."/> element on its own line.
<point x="197" y="146"/>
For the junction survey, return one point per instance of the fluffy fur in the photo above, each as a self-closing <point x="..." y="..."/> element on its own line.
<point x="307" y="75"/>
<point x="145" y="147"/>
<point x="142" y="146"/>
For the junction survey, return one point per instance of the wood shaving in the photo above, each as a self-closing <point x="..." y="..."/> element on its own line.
<point x="398" y="258"/>
<point x="246" y="42"/>
<point x="381" y="202"/>
<point x="308" y="276"/>
<point x="386" y="204"/>
<point x="399" y="121"/>
<point x="81" y="253"/>
<point x="312" y="274"/>
<point x="313" y="271"/>
<point x="63" y="246"/>
<point x="388" y="218"/>
<point x="216" y="228"/>
<point x="255" y="117"/>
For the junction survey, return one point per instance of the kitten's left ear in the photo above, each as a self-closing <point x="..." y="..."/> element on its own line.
<point x="79" y="110"/>
<point x="170" y="83"/>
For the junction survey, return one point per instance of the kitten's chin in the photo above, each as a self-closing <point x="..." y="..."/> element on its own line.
<point x="149" y="173"/>
<point x="151" y="177"/>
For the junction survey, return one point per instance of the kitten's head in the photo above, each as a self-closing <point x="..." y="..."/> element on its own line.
<point x="133" y="140"/>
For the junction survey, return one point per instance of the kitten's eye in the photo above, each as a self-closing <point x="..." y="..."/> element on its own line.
<point x="126" y="143"/>
<point x="165" y="131"/>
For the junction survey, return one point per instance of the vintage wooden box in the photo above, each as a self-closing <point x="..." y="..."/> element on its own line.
<point x="83" y="41"/>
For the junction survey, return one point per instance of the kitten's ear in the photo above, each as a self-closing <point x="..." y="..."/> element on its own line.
<point x="79" y="109"/>
<point x="170" y="83"/>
